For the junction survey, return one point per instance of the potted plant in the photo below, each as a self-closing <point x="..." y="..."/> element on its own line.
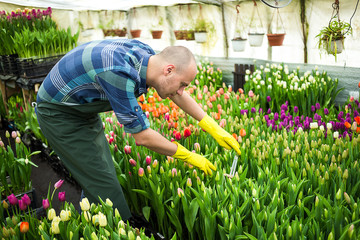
<point x="157" y="31"/>
<point x="331" y="38"/>
<point x="276" y="33"/>
<point x="238" y="42"/>
<point x="256" y="31"/>
<point x="202" y="28"/>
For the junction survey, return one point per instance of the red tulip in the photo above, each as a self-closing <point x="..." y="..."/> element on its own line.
<point x="61" y="196"/>
<point x="187" y="133"/>
<point x="178" y="136"/>
<point x="24" y="227"/>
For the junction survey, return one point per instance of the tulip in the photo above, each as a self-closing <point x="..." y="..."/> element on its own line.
<point x="18" y="140"/>
<point x="141" y="172"/>
<point x="131" y="235"/>
<point x="127" y="149"/>
<point x="7" y="134"/>
<point x="155" y="163"/>
<point x="109" y="202"/>
<point x="188" y="182"/>
<point x="102" y="220"/>
<point x="93" y="236"/>
<point x="51" y="214"/>
<point x="55" y="225"/>
<point x="65" y="215"/>
<point x="5" y="204"/>
<point x="173" y="172"/>
<point x="132" y="162"/>
<point x="148" y="169"/>
<point x="187" y="133"/>
<point x="61" y="196"/>
<point x="12" y="200"/>
<point x="148" y="160"/>
<point x="87" y="216"/>
<point x="22" y="205"/>
<point x="58" y="184"/>
<point x="24" y="227"/>
<point x="122" y="232"/>
<point x="45" y="203"/>
<point x="13" y="134"/>
<point x="180" y="192"/>
<point x="26" y="199"/>
<point x="84" y="204"/>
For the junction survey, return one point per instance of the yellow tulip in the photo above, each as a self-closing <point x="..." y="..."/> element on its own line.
<point x="84" y="204"/>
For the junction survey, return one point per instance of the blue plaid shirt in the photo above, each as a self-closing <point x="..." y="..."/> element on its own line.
<point x="111" y="70"/>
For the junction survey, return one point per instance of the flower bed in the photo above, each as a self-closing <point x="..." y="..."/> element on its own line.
<point x="298" y="174"/>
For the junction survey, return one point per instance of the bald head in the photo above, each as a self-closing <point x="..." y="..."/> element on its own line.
<point x="181" y="57"/>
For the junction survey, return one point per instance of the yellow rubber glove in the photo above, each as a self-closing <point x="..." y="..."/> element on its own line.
<point x="221" y="136"/>
<point x="194" y="159"/>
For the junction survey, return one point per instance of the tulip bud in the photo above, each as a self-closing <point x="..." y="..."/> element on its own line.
<point x="5" y="204"/>
<point x="7" y="134"/>
<point x="131" y="235"/>
<point x="338" y="194"/>
<point x="331" y="236"/>
<point x="347" y="198"/>
<point x="161" y="170"/>
<point x="58" y="184"/>
<point x="351" y="231"/>
<point x="316" y="201"/>
<point x="122" y="232"/>
<point x="346" y="174"/>
<point x="109" y="202"/>
<point x="84" y="204"/>
<point x="289" y="231"/>
<point x="188" y="182"/>
<point x="65" y="215"/>
<point x="51" y="214"/>
<point x="102" y="220"/>
<point x="93" y="236"/>
<point x="141" y="172"/>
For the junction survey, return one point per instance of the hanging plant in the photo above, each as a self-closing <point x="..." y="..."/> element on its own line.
<point x="239" y="40"/>
<point x="276" y="32"/>
<point x="135" y="33"/>
<point x="331" y="38"/>
<point x="202" y="28"/>
<point x="157" y="29"/>
<point x="256" y="31"/>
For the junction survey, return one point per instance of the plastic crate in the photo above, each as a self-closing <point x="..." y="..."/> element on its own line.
<point x="36" y="67"/>
<point x="8" y="65"/>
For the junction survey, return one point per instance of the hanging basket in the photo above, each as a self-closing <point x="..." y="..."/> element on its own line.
<point x="276" y="39"/>
<point x="256" y="39"/>
<point x="336" y="46"/>
<point x="135" y="33"/>
<point x="156" y="34"/>
<point x="200" y="37"/>
<point x="238" y="44"/>
<point x="189" y="35"/>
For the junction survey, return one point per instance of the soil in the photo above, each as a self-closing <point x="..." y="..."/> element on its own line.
<point x="49" y="171"/>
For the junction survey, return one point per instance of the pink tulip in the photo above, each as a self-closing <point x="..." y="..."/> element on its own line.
<point x="174" y="172"/>
<point x="199" y="96"/>
<point x="18" y="140"/>
<point x="188" y="182"/>
<point x="13" y="134"/>
<point x="58" y="184"/>
<point x="2" y="144"/>
<point x="206" y="89"/>
<point x="45" y="203"/>
<point x="112" y="133"/>
<point x="22" y="205"/>
<point x="180" y="192"/>
<point x="148" y="160"/>
<point x="132" y="162"/>
<point x="141" y="172"/>
<point x="26" y="199"/>
<point x="61" y="196"/>
<point x="127" y="149"/>
<point x="251" y="93"/>
<point x="197" y="147"/>
<point x="12" y="199"/>
<point x="111" y="140"/>
<point x="167" y="116"/>
<point x="116" y="148"/>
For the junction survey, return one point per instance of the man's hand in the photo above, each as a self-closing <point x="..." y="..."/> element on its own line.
<point x="221" y="136"/>
<point x="194" y="159"/>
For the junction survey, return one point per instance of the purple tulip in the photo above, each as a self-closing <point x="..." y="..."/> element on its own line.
<point x="268" y="98"/>
<point x="356" y="113"/>
<point x="253" y="110"/>
<point x="22" y="205"/>
<point x="326" y="111"/>
<point x="61" y="196"/>
<point x="45" y="203"/>
<point x="276" y="116"/>
<point x="260" y="110"/>
<point x="269" y="111"/>
<point x="12" y="199"/>
<point x="317" y="105"/>
<point x="26" y="199"/>
<point x="296" y="109"/>
<point x="313" y="108"/>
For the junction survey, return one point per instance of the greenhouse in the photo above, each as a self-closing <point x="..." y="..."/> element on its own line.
<point x="179" y="119"/>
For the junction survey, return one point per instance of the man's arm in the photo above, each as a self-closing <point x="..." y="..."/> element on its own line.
<point x="189" y="105"/>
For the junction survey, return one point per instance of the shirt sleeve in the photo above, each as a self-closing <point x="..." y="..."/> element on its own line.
<point x="119" y="89"/>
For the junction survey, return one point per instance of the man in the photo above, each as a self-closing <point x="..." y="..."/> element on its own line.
<point x="109" y="75"/>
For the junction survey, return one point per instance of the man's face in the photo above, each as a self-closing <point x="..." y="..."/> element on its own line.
<point x="174" y="83"/>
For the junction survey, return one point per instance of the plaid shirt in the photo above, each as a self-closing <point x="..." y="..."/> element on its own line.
<point x="111" y="70"/>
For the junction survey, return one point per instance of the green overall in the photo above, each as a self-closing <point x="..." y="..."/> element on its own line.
<point x="76" y="134"/>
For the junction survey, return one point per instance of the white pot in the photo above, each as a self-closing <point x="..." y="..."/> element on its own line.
<point x="338" y="44"/>
<point x="200" y="37"/>
<point x="256" y="39"/>
<point x="239" y="45"/>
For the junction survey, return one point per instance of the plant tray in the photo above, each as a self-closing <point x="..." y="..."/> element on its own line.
<point x="36" y="67"/>
<point x="29" y="83"/>
<point x="33" y="205"/>
<point x="8" y="65"/>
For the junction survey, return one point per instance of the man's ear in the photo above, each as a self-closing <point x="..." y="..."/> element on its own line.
<point x="168" y="69"/>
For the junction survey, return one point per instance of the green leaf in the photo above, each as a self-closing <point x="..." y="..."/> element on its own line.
<point x="146" y="212"/>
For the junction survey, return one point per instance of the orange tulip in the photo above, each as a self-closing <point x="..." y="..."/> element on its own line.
<point x="151" y="99"/>
<point x="347" y="125"/>
<point x="24" y="227"/>
<point x="242" y="132"/>
<point x="142" y="98"/>
<point x="156" y="95"/>
<point x="358" y="130"/>
<point x="234" y="135"/>
<point x="357" y="119"/>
